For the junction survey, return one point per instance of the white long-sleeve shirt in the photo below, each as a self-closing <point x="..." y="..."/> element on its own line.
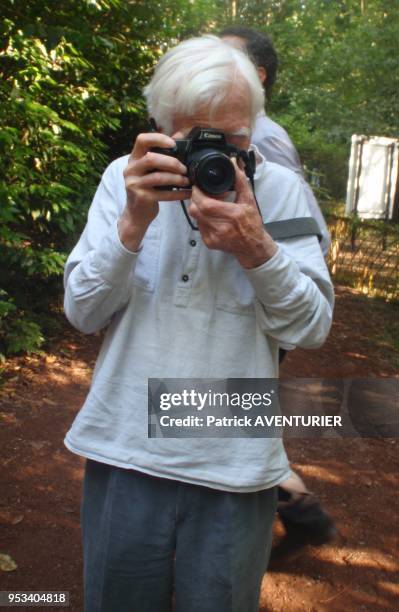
<point x="176" y="309"/>
<point x="276" y="146"/>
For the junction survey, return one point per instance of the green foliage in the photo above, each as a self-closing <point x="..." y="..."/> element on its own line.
<point x="52" y="115"/>
<point x="71" y="72"/>
<point x="17" y="331"/>
<point x="338" y="74"/>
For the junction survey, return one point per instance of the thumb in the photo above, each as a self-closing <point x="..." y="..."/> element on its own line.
<point x="242" y="187"/>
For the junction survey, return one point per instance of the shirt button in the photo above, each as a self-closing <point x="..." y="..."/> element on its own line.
<point x="184" y="278"/>
<point x="193" y="242"/>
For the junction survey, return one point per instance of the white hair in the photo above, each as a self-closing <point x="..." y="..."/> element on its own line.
<point x="202" y="71"/>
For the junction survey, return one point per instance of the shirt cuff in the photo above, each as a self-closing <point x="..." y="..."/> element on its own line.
<point x="114" y="262"/>
<point x="123" y="246"/>
<point x="274" y="279"/>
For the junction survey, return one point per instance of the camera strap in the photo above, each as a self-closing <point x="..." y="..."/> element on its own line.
<point x="293" y="228"/>
<point x="280" y="230"/>
<point x="191" y="224"/>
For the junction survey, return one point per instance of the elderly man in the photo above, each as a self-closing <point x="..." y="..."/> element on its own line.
<point x="189" y="517"/>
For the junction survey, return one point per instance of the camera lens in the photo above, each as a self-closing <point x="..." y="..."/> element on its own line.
<point x="213" y="172"/>
<point x="215" y="175"/>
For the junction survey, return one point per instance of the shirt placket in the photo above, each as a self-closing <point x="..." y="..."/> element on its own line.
<point x="188" y="268"/>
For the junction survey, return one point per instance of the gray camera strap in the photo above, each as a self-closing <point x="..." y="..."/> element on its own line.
<point x="293" y="228"/>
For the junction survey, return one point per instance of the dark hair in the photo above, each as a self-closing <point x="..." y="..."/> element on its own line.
<point x="260" y="48"/>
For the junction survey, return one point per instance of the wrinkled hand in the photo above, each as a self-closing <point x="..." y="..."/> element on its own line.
<point x="145" y="171"/>
<point x="235" y="228"/>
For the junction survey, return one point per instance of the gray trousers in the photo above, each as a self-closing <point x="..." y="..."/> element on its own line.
<point x="150" y="541"/>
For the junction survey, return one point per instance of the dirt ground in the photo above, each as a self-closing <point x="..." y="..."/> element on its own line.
<point x="356" y="479"/>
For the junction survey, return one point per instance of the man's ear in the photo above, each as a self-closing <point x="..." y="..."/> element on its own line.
<point x="262" y="73"/>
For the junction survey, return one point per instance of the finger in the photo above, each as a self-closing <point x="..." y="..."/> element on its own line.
<point x="153" y="139"/>
<point x="160" y="179"/>
<point x="177" y="135"/>
<point x="154" y="161"/>
<point x="211" y="207"/>
<point x="240" y="163"/>
<point x="161" y="195"/>
<point x="243" y="189"/>
<point x="207" y="225"/>
<point x="196" y="214"/>
<point x="212" y="232"/>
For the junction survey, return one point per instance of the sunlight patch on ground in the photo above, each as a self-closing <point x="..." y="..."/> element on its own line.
<point x="391" y="587"/>
<point x="368" y="558"/>
<point x="317" y="471"/>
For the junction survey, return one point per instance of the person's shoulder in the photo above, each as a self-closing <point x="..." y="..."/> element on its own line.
<point x="276" y="174"/>
<point x="116" y="167"/>
<point x="280" y="192"/>
<point x="267" y="128"/>
<point x="112" y="184"/>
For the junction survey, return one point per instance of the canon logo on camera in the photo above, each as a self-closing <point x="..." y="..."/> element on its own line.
<point x="211" y="136"/>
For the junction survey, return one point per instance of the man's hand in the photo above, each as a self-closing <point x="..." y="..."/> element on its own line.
<point x="145" y="171"/>
<point x="236" y="228"/>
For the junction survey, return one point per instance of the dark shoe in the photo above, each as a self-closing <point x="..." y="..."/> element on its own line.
<point x="304" y="519"/>
<point x="305" y="523"/>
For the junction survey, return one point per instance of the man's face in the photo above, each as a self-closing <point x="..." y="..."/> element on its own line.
<point x="233" y="118"/>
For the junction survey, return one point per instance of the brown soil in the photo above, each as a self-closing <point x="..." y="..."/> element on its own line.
<point x="356" y="480"/>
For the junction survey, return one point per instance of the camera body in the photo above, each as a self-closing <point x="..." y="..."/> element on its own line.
<point x="206" y="154"/>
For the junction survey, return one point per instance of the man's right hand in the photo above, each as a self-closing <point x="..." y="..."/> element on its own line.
<point x="145" y="171"/>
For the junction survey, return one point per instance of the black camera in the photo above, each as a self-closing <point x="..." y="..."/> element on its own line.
<point x="207" y="155"/>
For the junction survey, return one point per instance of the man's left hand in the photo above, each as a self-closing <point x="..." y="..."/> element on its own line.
<point x="237" y="227"/>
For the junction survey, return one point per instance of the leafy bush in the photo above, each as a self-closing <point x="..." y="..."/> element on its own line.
<point x="70" y="98"/>
<point x="50" y="151"/>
